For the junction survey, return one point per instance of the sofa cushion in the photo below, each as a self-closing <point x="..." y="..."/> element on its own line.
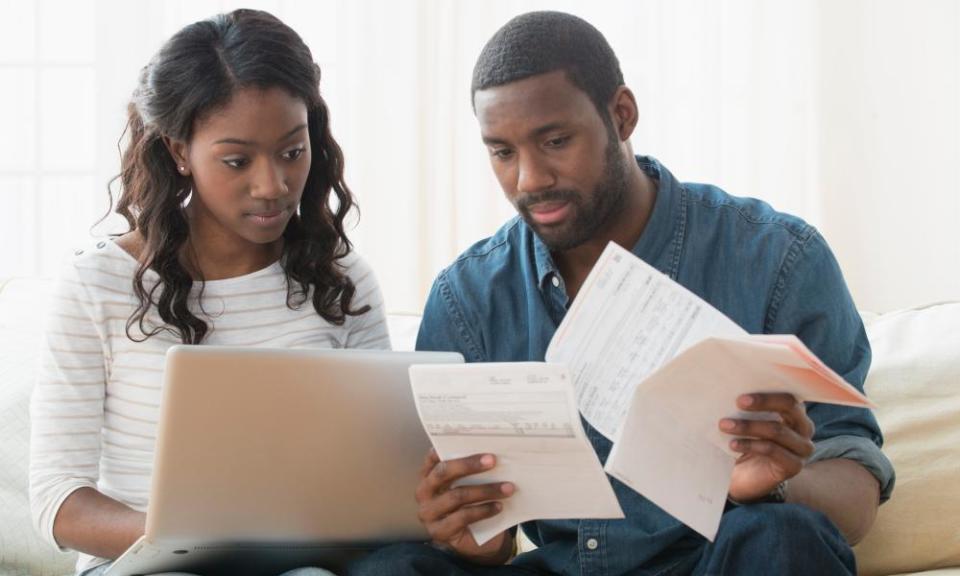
<point x="915" y="381"/>
<point x="21" y="549"/>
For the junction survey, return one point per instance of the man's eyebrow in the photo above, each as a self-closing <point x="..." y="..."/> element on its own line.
<point x="539" y="131"/>
<point x="249" y="143"/>
<point x="549" y="128"/>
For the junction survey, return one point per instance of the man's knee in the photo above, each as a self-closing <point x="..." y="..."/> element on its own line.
<point x="787" y="535"/>
<point x="789" y="521"/>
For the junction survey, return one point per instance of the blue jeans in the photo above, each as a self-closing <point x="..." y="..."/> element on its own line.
<point x="758" y="539"/>
<point x="99" y="570"/>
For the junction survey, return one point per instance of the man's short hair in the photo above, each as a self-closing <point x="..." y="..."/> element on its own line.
<point x="540" y="42"/>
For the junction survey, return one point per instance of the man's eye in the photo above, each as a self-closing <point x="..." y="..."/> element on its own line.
<point x="502" y="153"/>
<point x="557" y="142"/>
<point x="293" y="154"/>
<point x="235" y="162"/>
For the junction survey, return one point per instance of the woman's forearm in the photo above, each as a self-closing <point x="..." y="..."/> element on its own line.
<point x="96" y="524"/>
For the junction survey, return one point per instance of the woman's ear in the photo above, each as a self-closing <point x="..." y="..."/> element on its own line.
<point x="178" y="151"/>
<point x="623" y="111"/>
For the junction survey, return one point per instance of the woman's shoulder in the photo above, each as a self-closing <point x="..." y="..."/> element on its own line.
<point x="102" y="263"/>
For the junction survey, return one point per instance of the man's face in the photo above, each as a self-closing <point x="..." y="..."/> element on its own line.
<point x="556" y="160"/>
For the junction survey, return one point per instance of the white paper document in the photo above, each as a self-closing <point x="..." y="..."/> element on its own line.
<point x="655" y="370"/>
<point x="525" y="414"/>
<point x="627" y="320"/>
<point x="670" y="449"/>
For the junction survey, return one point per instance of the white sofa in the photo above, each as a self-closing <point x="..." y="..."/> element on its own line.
<point x="915" y="380"/>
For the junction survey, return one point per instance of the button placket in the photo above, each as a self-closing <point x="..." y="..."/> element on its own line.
<point x="591" y="549"/>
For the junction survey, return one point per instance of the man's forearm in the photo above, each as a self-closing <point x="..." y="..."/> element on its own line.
<point x="843" y="490"/>
<point x="96" y="524"/>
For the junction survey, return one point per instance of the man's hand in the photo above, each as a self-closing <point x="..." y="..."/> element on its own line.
<point x="770" y="451"/>
<point x="447" y="511"/>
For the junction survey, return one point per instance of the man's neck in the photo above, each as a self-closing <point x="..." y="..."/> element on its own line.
<point x="575" y="264"/>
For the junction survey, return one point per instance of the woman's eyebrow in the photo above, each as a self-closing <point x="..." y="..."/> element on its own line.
<point x="251" y="143"/>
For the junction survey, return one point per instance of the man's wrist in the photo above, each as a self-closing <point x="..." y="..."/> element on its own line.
<point x="776" y="496"/>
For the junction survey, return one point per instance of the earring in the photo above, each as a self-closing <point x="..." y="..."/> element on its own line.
<point x="181" y="168"/>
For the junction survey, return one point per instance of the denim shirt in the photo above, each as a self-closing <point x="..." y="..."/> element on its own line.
<point x="771" y="273"/>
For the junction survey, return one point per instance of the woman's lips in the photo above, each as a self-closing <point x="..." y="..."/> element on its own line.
<point x="266" y="218"/>
<point x="547" y="213"/>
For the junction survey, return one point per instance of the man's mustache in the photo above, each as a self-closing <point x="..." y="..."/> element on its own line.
<point x="525" y="202"/>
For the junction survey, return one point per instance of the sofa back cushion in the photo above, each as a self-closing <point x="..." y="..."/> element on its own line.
<point x="915" y="381"/>
<point x="21" y="316"/>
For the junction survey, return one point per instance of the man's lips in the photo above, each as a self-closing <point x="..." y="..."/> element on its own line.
<point x="546" y="213"/>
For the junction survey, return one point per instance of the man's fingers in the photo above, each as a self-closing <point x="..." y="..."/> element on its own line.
<point x="791" y="410"/>
<point x="429" y="461"/>
<point x="788" y="461"/>
<point x="777" y="432"/>
<point x="462" y="496"/>
<point x="452" y="525"/>
<point x="445" y="472"/>
<point x="773" y="402"/>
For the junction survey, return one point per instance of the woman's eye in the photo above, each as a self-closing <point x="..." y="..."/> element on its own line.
<point x="293" y="154"/>
<point x="235" y="162"/>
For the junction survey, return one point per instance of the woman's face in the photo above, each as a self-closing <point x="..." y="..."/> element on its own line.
<point x="249" y="162"/>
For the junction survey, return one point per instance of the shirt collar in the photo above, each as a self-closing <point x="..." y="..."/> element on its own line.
<point x="664" y="225"/>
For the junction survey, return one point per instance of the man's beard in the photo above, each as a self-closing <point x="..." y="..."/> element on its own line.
<point x="590" y="214"/>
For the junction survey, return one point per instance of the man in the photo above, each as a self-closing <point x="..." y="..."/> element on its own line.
<point x="556" y="118"/>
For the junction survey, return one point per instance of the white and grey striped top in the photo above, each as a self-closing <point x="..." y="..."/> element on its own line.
<point x="96" y="404"/>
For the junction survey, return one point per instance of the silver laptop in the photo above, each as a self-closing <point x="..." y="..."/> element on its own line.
<point x="269" y="459"/>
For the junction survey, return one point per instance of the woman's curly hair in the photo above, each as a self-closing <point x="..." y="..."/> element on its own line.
<point x="196" y="72"/>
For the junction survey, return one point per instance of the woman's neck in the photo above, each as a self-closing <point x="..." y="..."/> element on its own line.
<point x="215" y="253"/>
<point x="207" y="258"/>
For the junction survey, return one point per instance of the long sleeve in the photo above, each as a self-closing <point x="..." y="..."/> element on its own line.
<point x="67" y="406"/>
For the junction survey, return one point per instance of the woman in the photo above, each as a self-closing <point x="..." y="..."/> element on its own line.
<point x="234" y="239"/>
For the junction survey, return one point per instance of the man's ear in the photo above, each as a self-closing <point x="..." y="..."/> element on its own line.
<point x="178" y="151"/>
<point x="624" y="113"/>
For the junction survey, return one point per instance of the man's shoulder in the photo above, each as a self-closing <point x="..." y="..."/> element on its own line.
<point x="710" y="206"/>
<point x="489" y="257"/>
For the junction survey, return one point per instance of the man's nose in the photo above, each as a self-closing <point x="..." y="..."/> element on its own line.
<point x="534" y="175"/>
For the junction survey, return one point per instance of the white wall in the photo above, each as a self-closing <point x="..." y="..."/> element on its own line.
<point x="845" y="112"/>
<point x="889" y="147"/>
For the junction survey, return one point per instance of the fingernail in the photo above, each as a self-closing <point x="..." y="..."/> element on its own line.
<point x="487" y="461"/>
<point x="507" y="488"/>
<point x="727" y="424"/>
<point x="747" y="400"/>
<point x="497" y="506"/>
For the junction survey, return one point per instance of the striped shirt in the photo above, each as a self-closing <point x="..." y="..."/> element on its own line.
<point x="96" y="404"/>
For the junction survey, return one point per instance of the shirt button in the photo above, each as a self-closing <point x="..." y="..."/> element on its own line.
<point x="592" y="544"/>
<point x="556" y="282"/>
